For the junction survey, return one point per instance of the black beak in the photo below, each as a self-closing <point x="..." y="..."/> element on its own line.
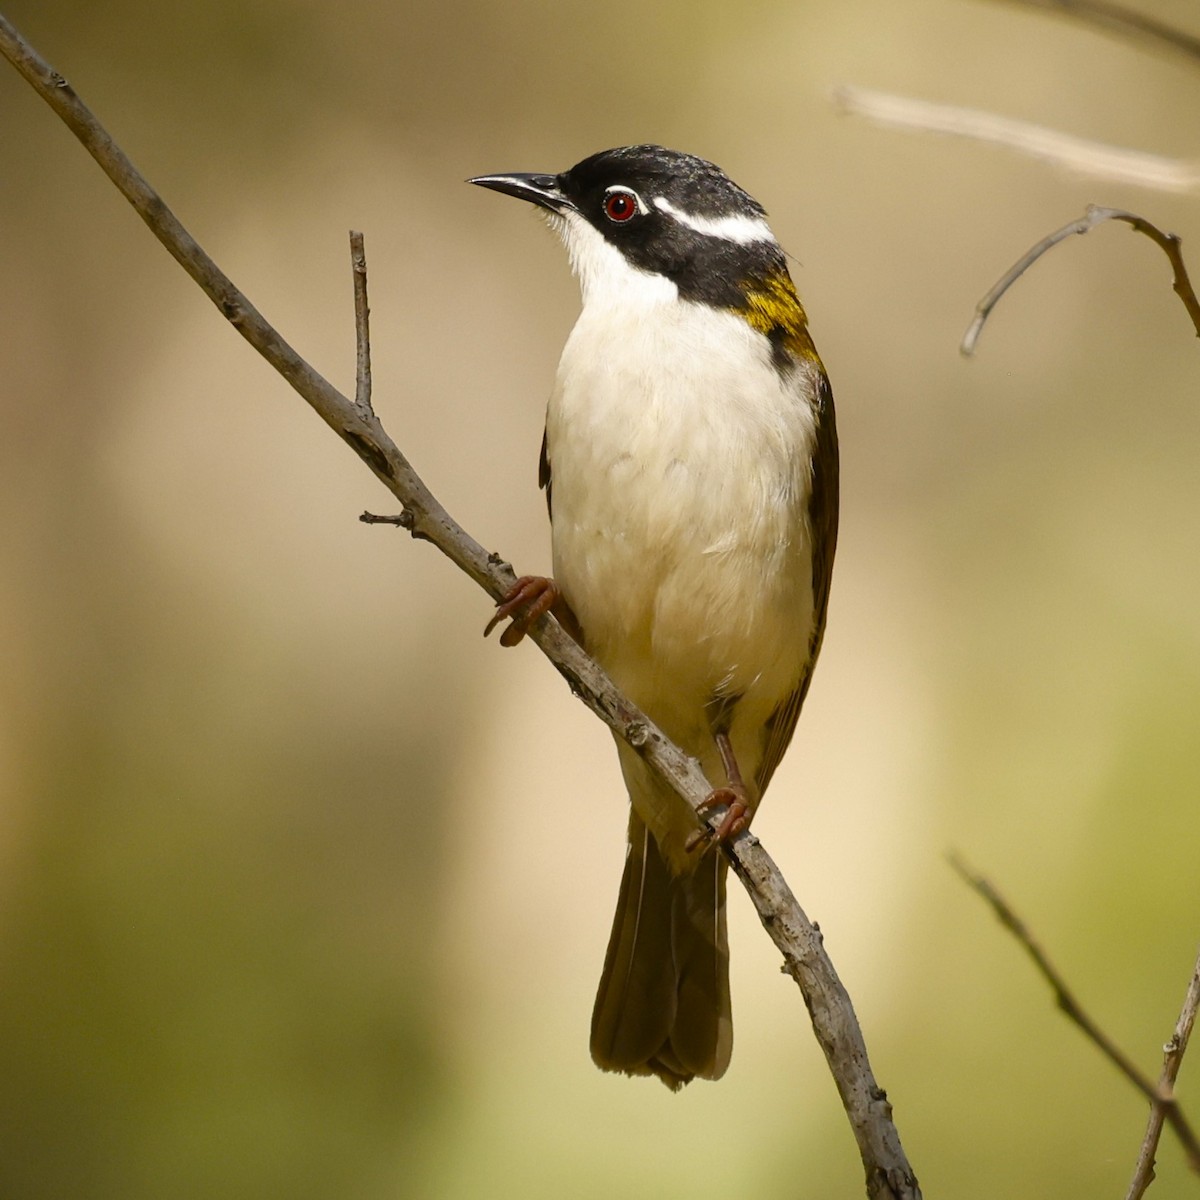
<point x="542" y="190"/>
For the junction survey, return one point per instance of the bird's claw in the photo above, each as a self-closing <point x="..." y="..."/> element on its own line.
<point x="736" y="819"/>
<point x="531" y="597"/>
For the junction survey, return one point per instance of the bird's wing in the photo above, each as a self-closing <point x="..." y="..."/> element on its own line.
<point x="544" y="473"/>
<point x="823" y="526"/>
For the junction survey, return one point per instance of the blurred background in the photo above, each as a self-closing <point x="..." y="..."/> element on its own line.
<point x="304" y="888"/>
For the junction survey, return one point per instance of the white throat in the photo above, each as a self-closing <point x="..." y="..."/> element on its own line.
<point x="605" y="276"/>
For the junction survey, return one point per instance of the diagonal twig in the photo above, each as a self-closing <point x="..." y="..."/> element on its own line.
<point x="1074" y="1011"/>
<point x="1072" y="153"/>
<point x="888" y="1173"/>
<point x="1173" y="1052"/>
<point x="1124" y="22"/>
<point x="1169" y="243"/>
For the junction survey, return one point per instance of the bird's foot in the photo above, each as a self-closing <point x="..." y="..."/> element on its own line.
<point x="531" y="597"/>
<point x="736" y="819"/>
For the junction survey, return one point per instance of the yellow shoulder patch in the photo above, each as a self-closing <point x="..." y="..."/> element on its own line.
<point x="772" y="307"/>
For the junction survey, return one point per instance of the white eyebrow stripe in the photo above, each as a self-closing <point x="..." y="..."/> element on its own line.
<point x="733" y="228"/>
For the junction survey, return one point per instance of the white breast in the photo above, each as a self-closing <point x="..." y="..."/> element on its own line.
<point x="681" y="467"/>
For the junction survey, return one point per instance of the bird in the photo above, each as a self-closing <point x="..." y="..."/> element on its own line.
<point x="690" y="465"/>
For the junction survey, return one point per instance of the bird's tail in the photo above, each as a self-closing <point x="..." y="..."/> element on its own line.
<point x="663" y="1004"/>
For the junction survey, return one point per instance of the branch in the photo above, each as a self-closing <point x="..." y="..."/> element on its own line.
<point x="888" y="1173"/>
<point x="362" y="325"/>
<point x="1168" y="242"/>
<point x="1124" y="22"/>
<point x="1050" y="145"/>
<point x="1173" y="1052"/>
<point x="1163" y="1100"/>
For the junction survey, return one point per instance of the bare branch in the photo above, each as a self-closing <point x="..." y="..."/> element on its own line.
<point x="1173" y="1052"/>
<point x="362" y="324"/>
<point x="1070" y="1006"/>
<point x="1169" y="243"/>
<point x="1051" y="145"/>
<point x="888" y="1174"/>
<point x="401" y="519"/>
<point x="1124" y="22"/>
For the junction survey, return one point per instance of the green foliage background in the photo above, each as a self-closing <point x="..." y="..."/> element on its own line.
<point x="303" y="888"/>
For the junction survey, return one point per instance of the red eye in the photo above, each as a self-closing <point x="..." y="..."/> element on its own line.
<point x="620" y="206"/>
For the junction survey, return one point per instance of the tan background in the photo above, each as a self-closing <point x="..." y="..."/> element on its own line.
<point x="304" y="889"/>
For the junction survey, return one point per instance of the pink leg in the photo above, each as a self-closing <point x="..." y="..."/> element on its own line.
<point x="531" y="597"/>
<point x="734" y="796"/>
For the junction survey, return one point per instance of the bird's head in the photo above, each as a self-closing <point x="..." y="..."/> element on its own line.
<point x="648" y="223"/>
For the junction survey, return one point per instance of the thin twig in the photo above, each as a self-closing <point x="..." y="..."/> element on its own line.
<point x="362" y="324"/>
<point x="401" y="519"/>
<point x="888" y="1173"/>
<point x="1124" y="22"/>
<point x="1074" y="1011"/>
<point x="1173" y="1052"/>
<point x="1169" y="243"/>
<point x="1050" y="145"/>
